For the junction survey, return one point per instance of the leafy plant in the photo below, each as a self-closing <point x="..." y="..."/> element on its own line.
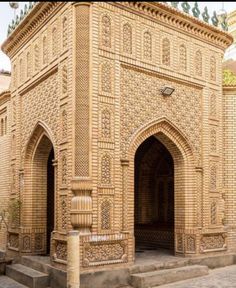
<point x="11" y="214"/>
<point x="3" y="218"/>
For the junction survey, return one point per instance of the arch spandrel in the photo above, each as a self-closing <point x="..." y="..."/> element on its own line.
<point x="167" y="133"/>
<point x="39" y="130"/>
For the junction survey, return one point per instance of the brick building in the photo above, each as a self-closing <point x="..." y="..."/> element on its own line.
<point x="94" y="142"/>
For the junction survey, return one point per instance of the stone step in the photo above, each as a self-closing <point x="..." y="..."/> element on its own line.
<point x="161" y="277"/>
<point x="27" y="276"/>
<point x="159" y="266"/>
<point x="39" y="263"/>
<point x="6" y="282"/>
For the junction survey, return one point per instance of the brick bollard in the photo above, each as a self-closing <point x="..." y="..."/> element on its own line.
<point x="73" y="260"/>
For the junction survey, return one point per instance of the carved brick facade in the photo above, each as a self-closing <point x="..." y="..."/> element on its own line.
<point x="92" y="98"/>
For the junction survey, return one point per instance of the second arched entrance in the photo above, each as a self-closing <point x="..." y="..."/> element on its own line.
<point x="154" y="196"/>
<point x="39" y="192"/>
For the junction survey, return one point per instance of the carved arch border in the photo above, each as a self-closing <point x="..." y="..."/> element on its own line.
<point x="42" y="138"/>
<point x="185" y="181"/>
<point x="40" y="129"/>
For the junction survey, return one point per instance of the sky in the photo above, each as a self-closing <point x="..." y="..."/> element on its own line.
<point x="7" y="14"/>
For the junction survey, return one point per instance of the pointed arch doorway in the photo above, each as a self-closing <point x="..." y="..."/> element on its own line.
<point x="39" y="192"/>
<point x="154" y="196"/>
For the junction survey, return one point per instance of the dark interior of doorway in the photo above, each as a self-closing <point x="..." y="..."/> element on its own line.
<point x="154" y="197"/>
<point x="50" y="198"/>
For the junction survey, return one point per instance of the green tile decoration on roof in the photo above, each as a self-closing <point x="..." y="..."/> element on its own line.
<point x="21" y="14"/>
<point x="17" y="20"/>
<point x="186" y="7"/>
<point x="205" y="15"/>
<point x="9" y="29"/>
<point x="214" y="19"/>
<point x="196" y="11"/>
<point x="26" y="9"/>
<point x="224" y="25"/>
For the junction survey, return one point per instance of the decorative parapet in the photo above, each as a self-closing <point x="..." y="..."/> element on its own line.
<point x="26" y="25"/>
<point x="35" y="14"/>
<point x="204" y="15"/>
<point x="20" y="18"/>
<point x="185" y="7"/>
<point x="229" y="78"/>
<point x="169" y="15"/>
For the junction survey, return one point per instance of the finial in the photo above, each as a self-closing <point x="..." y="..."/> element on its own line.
<point x="195" y="10"/>
<point x="205" y="15"/>
<point x="26" y="9"/>
<point x="224" y="25"/>
<point x="17" y="20"/>
<point x="186" y="7"/>
<point x="21" y="14"/>
<point x="214" y="19"/>
<point x="9" y="29"/>
<point x="221" y="16"/>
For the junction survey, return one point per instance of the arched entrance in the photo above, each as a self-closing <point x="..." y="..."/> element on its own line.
<point x="154" y="196"/>
<point x="173" y="170"/>
<point x="39" y="192"/>
<point x="43" y="189"/>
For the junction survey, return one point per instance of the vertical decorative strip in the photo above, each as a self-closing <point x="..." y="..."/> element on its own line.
<point x="199" y="197"/>
<point x="82" y="91"/>
<point x="125" y="167"/>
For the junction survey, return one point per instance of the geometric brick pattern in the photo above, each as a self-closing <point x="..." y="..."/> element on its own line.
<point x="87" y="80"/>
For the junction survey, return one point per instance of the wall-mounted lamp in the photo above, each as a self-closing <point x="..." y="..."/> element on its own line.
<point x="167" y="90"/>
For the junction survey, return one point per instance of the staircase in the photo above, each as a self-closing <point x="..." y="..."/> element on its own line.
<point x="153" y="275"/>
<point x="28" y="274"/>
<point x="36" y="272"/>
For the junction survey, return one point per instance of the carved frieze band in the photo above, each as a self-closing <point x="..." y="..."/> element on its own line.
<point x="213" y="242"/>
<point x="104" y="253"/>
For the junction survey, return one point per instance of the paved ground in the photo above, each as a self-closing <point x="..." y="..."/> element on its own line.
<point x="147" y="257"/>
<point x="217" y="278"/>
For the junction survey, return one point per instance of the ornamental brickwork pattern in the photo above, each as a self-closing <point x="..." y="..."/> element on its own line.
<point x="40" y="103"/>
<point x="139" y="88"/>
<point x="88" y="82"/>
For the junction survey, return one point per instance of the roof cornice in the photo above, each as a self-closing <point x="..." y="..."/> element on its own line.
<point x="5" y="96"/>
<point x="156" y="11"/>
<point x="164" y="14"/>
<point x="29" y="26"/>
